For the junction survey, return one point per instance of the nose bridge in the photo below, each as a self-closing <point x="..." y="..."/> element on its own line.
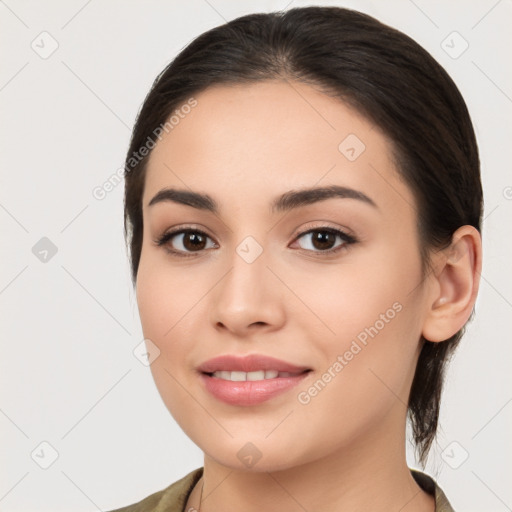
<point x="245" y="283"/>
<point x="249" y="250"/>
<point x="245" y="295"/>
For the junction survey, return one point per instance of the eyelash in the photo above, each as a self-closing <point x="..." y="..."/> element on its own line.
<point x="166" y="237"/>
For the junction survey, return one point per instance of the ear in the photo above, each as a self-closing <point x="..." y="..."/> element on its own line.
<point x="453" y="285"/>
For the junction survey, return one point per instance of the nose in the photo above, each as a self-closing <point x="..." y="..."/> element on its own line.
<point x="248" y="299"/>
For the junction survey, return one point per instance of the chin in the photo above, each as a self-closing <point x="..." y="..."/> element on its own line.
<point x="255" y="457"/>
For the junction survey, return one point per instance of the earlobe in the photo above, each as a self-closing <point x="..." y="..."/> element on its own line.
<point x="454" y="285"/>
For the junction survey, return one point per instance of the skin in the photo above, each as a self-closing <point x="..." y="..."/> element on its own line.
<point x="344" y="450"/>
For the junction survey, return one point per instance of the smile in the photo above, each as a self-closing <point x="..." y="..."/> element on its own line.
<point x="238" y="376"/>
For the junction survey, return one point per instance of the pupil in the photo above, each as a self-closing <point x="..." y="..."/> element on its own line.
<point x="321" y="240"/>
<point x="193" y="241"/>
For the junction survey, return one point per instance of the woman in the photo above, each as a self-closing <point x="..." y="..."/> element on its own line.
<point x="303" y="208"/>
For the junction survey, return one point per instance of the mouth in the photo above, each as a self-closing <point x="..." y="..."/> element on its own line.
<point x="253" y="376"/>
<point x="243" y="389"/>
<point x="249" y="380"/>
<point x="249" y="367"/>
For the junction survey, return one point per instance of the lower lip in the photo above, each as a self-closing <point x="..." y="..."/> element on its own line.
<point x="249" y="392"/>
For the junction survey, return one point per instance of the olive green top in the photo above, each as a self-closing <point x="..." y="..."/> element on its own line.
<point x="174" y="498"/>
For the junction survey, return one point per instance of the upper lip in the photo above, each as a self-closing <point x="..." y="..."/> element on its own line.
<point x="250" y="363"/>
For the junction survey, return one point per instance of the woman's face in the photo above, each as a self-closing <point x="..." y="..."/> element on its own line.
<point x="350" y="308"/>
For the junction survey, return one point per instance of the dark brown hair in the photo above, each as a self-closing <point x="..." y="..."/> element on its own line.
<point x="390" y="80"/>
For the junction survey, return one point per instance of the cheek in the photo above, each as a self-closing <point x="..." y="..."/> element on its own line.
<point x="173" y="307"/>
<point x="363" y="291"/>
<point x="152" y="301"/>
<point x="166" y="293"/>
<point x="163" y="298"/>
<point x="366" y="375"/>
<point x="367" y="315"/>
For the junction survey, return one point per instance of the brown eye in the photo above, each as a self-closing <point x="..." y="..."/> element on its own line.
<point x="185" y="241"/>
<point x="325" y="240"/>
<point x="193" y="241"/>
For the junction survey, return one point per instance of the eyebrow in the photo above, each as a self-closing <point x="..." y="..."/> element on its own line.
<point x="285" y="202"/>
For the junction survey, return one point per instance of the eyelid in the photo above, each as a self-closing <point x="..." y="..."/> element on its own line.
<point x="163" y="239"/>
<point x="180" y="228"/>
<point x="319" y="225"/>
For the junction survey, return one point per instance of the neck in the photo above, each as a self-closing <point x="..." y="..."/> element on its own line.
<point x="369" y="474"/>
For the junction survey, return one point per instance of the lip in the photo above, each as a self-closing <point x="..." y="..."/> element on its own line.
<point x="250" y="363"/>
<point x="247" y="393"/>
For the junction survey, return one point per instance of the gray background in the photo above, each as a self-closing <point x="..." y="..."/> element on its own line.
<point x="69" y="377"/>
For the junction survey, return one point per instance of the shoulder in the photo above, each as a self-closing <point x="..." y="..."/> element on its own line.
<point x="428" y="484"/>
<point x="171" y="499"/>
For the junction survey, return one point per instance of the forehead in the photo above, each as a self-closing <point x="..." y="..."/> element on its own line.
<point x="272" y="135"/>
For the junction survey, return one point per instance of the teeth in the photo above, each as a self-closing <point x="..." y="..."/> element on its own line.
<point x="257" y="375"/>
